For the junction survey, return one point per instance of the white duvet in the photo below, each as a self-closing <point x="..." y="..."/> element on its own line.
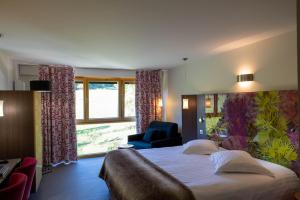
<point x="197" y="172"/>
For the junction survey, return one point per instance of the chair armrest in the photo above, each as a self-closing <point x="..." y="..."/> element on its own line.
<point x="169" y="142"/>
<point x="136" y="137"/>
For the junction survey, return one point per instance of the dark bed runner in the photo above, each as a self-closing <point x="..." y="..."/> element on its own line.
<point x="130" y="176"/>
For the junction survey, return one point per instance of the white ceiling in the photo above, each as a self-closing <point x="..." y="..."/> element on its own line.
<point x="134" y="34"/>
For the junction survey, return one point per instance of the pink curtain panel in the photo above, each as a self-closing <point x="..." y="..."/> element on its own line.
<point x="148" y="94"/>
<point x="58" y="116"/>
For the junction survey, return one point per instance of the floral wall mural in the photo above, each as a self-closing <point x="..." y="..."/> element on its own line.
<point x="263" y="123"/>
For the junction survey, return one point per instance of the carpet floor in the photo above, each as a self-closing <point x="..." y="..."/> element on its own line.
<point x="78" y="181"/>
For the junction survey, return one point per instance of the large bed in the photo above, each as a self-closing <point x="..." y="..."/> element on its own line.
<point x="196" y="172"/>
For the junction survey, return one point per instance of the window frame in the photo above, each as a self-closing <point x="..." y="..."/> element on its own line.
<point x="121" y="108"/>
<point x="130" y="118"/>
<point x="79" y="81"/>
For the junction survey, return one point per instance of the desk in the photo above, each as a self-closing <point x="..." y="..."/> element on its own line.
<point x="12" y="163"/>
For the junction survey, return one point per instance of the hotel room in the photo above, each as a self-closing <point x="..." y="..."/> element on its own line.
<point x="149" y="100"/>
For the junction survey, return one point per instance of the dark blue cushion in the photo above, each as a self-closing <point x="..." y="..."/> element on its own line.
<point x="158" y="135"/>
<point x="169" y="128"/>
<point x="140" y="144"/>
<point x="149" y="133"/>
<point x="153" y="134"/>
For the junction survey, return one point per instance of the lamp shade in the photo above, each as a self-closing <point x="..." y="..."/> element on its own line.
<point x="41" y="86"/>
<point x="160" y="103"/>
<point x="245" y="77"/>
<point x="208" y="102"/>
<point x="185" y="103"/>
<point x="1" y="108"/>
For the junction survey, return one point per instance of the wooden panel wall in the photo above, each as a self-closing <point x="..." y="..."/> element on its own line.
<point x="189" y="119"/>
<point x="17" y="126"/>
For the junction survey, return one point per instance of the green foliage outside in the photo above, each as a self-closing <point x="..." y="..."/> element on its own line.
<point x="273" y="142"/>
<point x="129" y="100"/>
<point x="100" y="138"/>
<point x="103" y="86"/>
<point x="212" y="125"/>
<point x="97" y="85"/>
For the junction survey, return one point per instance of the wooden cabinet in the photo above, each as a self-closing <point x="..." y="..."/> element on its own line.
<point x="20" y="128"/>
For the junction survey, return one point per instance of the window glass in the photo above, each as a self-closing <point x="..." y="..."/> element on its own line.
<point x="103" y="100"/>
<point x="100" y="138"/>
<point x="221" y="100"/>
<point x="129" y="100"/>
<point x="79" y="99"/>
<point x="209" y="104"/>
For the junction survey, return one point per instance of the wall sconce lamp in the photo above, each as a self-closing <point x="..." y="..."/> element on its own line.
<point x="208" y="102"/>
<point x="40" y="86"/>
<point x="185" y="104"/>
<point x="160" y="103"/>
<point x="1" y="108"/>
<point x="245" y="77"/>
<point x="201" y="119"/>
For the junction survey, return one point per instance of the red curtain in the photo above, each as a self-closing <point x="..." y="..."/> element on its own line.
<point x="58" y="116"/>
<point x="148" y="95"/>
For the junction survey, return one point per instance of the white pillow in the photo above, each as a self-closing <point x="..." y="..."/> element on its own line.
<point x="237" y="161"/>
<point x="203" y="147"/>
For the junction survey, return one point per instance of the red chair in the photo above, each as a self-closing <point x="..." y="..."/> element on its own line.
<point x="16" y="187"/>
<point x="27" y="167"/>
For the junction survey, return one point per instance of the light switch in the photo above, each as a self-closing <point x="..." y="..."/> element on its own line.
<point x="201" y="132"/>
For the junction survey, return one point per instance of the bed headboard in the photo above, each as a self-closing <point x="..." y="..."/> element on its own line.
<point x="263" y="123"/>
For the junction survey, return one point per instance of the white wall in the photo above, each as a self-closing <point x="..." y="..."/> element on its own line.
<point x="164" y="94"/>
<point x="92" y="72"/>
<point x="30" y="72"/>
<point x="273" y="62"/>
<point x="6" y="72"/>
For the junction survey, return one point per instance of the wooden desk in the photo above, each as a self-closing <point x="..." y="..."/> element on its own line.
<point x="12" y="163"/>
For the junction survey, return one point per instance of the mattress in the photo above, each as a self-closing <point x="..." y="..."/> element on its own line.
<point x="197" y="173"/>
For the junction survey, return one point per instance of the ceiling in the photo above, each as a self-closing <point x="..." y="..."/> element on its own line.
<point x="131" y="34"/>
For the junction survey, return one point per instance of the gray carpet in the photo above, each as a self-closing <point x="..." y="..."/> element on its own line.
<point x="74" y="181"/>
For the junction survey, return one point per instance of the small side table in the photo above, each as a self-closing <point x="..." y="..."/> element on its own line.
<point x="125" y="146"/>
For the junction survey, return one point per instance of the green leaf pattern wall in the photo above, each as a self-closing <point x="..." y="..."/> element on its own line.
<point x="263" y="123"/>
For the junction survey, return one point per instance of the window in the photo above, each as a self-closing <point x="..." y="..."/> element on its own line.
<point x="221" y="101"/>
<point x="129" y="99"/>
<point x="100" y="138"/>
<point x="209" y="104"/>
<point x="105" y="113"/>
<point x="79" y="96"/>
<point x="214" y="104"/>
<point x="104" y="100"/>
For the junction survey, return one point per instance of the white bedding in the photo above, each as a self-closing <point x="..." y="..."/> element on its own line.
<point x="197" y="172"/>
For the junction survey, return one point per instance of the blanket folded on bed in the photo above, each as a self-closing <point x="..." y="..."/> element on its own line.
<point x="130" y="176"/>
